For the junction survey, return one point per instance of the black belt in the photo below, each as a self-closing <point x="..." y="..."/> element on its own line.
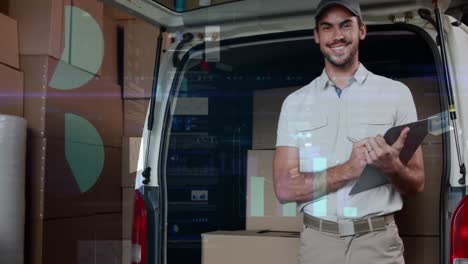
<point x="348" y="227"/>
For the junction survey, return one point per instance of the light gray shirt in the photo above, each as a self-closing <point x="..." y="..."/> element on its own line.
<point x="317" y="121"/>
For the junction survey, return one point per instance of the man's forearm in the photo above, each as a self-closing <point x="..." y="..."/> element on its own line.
<point x="320" y="184"/>
<point x="407" y="178"/>
<point x="293" y="186"/>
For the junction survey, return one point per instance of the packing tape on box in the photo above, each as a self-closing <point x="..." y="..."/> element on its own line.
<point x="12" y="188"/>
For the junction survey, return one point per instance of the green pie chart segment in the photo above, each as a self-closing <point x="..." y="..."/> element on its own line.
<point x="83" y="51"/>
<point x="84" y="151"/>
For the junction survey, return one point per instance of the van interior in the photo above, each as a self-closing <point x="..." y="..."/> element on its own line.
<point x="222" y="122"/>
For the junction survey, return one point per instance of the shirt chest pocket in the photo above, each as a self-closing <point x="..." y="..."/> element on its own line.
<point x="314" y="144"/>
<point x="370" y="127"/>
<point x="314" y="131"/>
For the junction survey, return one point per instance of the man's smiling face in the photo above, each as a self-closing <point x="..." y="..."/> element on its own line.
<point x="338" y="33"/>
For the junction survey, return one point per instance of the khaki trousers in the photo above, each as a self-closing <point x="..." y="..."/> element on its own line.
<point x="379" y="247"/>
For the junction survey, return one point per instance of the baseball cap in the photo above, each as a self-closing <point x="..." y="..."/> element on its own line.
<point x="351" y="5"/>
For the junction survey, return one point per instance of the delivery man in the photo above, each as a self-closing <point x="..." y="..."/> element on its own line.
<point x="328" y="132"/>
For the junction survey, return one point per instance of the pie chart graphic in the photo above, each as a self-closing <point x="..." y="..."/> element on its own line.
<point x="84" y="151"/>
<point x="83" y="49"/>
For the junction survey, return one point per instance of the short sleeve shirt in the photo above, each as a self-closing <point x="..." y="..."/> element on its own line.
<point x="318" y="122"/>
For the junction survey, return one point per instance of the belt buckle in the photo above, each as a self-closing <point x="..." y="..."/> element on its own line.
<point x="346" y="228"/>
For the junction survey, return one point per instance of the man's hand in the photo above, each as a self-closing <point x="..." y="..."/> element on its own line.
<point x="384" y="156"/>
<point x="357" y="160"/>
<point x="406" y="178"/>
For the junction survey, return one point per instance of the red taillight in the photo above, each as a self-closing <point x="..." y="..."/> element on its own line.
<point x="139" y="231"/>
<point x="459" y="234"/>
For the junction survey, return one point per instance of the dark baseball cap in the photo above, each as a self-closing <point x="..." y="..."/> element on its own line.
<point x="351" y="5"/>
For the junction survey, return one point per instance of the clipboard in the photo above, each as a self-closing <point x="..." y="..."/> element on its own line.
<point x="372" y="177"/>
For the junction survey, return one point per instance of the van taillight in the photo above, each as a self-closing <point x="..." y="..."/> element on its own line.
<point x="139" y="230"/>
<point x="459" y="234"/>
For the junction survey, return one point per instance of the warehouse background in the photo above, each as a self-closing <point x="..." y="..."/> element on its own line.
<point x="82" y="114"/>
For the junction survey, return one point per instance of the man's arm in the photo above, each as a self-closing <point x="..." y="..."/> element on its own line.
<point x="294" y="186"/>
<point x="407" y="178"/>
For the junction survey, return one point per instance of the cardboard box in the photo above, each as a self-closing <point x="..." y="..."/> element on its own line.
<point x="140" y="41"/>
<point x="267" y="108"/>
<point x="66" y="235"/>
<point x="93" y="7"/>
<point x="264" y="211"/>
<point x="41" y="27"/>
<point x="421" y="250"/>
<point x="108" y="238"/>
<point x="420" y="214"/>
<point x="43" y="30"/>
<point x="94" y="108"/>
<point x="84" y="50"/>
<point x="134" y="117"/>
<point x="130" y="153"/>
<point x="67" y="190"/>
<point x="109" y="71"/>
<point x="75" y="179"/>
<point x="128" y="195"/>
<point x="11" y="91"/>
<point x="116" y="13"/>
<point x="426" y="95"/>
<point x="93" y="239"/>
<point x="249" y="247"/>
<point x="9" y="54"/>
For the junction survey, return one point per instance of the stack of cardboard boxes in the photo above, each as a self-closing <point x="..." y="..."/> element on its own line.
<point x="264" y="211"/>
<point x="74" y="131"/>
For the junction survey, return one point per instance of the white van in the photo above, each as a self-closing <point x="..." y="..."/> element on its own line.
<point x="219" y="90"/>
